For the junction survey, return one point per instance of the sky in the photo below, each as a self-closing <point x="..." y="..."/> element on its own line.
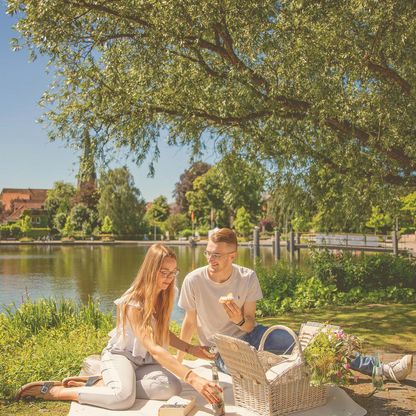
<point x="29" y="160"/>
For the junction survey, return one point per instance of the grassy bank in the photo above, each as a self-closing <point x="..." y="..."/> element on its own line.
<point x="49" y="340"/>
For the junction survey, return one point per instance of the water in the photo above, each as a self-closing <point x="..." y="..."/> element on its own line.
<point x="80" y="272"/>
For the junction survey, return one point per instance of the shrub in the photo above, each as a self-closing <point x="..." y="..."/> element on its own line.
<point x="347" y="271"/>
<point x="278" y="284"/>
<point x="337" y="279"/>
<point x="202" y="231"/>
<point x="186" y="233"/>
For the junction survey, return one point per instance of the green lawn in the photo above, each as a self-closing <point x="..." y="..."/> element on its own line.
<point x="389" y="328"/>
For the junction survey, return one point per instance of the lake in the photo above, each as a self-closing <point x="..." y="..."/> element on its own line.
<point x="101" y="272"/>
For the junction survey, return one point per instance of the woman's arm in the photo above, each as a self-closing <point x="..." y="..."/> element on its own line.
<point x="204" y="387"/>
<point x="195" y="350"/>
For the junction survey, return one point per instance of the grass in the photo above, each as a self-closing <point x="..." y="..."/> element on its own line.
<point x="388" y="328"/>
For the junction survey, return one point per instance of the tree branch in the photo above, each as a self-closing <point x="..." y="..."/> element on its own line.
<point x="347" y="128"/>
<point x="105" y="9"/>
<point x="388" y="74"/>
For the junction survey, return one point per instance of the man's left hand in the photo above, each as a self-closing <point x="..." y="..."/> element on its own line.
<point x="233" y="311"/>
<point x="201" y="351"/>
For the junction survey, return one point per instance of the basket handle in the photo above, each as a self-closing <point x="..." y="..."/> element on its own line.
<point x="285" y="328"/>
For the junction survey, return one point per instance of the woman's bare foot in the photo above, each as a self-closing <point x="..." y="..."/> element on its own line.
<point x="82" y="381"/>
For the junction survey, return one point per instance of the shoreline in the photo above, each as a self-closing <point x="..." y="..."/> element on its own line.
<point x="266" y="243"/>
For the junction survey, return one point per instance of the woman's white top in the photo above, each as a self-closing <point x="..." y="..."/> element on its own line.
<point x="127" y="342"/>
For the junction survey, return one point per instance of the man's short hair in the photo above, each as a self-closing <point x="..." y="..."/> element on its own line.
<point x="224" y="235"/>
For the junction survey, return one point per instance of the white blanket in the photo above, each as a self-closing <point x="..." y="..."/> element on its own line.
<point x="339" y="403"/>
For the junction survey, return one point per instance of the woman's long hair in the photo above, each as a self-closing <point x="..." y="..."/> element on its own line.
<point x="143" y="291"/>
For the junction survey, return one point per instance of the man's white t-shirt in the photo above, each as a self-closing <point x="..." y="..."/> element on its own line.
<point x="200" y="293"/>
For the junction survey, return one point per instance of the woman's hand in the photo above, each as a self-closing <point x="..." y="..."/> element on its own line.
<point x="207" y="389"/>
<point x="201" y="352"/>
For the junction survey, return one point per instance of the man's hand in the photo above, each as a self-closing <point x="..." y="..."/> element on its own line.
<point x="201" y="352"/>
<point x="233" y="311"/>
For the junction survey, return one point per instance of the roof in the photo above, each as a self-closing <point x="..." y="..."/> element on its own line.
<point x="34" y="194"/>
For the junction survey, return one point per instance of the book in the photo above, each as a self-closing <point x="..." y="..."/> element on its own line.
<point x="177" y="406"/>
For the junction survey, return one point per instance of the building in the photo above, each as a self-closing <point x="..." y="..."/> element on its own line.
<point x="19" y="202"/>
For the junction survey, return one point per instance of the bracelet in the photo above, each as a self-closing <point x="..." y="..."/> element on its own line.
<point x="242" y="322"/>
<point x="186" y="375"/>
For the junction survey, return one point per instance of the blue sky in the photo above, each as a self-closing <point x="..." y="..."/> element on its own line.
<point x="28" y="159"/>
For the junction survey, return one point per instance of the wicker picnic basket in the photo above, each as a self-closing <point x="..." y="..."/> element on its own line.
<point x="269" y="384"/>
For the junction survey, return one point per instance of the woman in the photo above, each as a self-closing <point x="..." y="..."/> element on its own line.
<point x="136" y="363"/>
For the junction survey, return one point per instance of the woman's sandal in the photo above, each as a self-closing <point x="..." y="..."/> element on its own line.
<point x="45" y="387"/>
<point x="85" y="381"/>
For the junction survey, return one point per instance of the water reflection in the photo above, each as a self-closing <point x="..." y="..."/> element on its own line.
<point x="78" y="272"/>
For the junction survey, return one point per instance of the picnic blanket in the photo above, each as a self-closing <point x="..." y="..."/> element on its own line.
<point x="339" y="403"/>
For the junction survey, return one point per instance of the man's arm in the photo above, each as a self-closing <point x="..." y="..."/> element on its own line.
<point x="187" y="330"/>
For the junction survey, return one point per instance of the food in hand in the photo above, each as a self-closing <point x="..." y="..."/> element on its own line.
<point x="227" y="298"/>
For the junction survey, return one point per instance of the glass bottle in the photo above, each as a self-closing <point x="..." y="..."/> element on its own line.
<point x="219" y="409"/>
<point x="377" y="378"/>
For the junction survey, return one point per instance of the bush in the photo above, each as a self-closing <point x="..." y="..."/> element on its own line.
<point x="337" y="279"/>
<point x="278" y="284"/>
<point x="370" y="271"/>
<point x="26" y="240"/>
<point x="202" y="231"/>
<point x="186" y="233"/>
<point x="37" y="233"/>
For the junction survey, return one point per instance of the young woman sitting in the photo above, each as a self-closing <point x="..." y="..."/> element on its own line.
<point x="136" y="363"/>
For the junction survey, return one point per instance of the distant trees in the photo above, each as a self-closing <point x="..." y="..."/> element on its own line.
<point x="185" y="184"/>
<point x="59" y="200"/>
<point x="121" y="201"/>
<point x="231" y="184"/>
<point x="242" y="224"/>
<point x="25" y="224"/>
<point x="176" y="223"/>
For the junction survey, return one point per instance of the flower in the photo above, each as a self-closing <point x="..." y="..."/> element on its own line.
<point x="327" y="357"/>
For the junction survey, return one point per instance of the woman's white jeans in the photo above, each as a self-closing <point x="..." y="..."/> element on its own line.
<point x="124" y="381"/>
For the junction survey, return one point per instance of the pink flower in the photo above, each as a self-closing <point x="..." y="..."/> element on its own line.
<point x="347" y="366"/>
<point x="340" y="334"/>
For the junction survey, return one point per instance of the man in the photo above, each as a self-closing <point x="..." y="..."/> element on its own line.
<point x="201" y="292"/>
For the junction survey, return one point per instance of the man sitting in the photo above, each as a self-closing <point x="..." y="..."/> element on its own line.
<point x="203" y="288"/>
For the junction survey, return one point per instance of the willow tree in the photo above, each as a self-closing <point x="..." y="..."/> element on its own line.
<point x="329" y="83"/>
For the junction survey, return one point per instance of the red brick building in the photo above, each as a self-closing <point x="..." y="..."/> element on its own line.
<point x="18" y="201"/>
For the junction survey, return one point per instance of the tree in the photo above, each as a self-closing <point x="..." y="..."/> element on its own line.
<point x="25" y="224"/>
<point x="185" y="184"/>
<point x="59" y="200"/>
<point x="379" y="220"/>
<point x="158" y="212"/>
<point x="230" y="184"/>
<point x="80" y="215"/>
<point x="207" y="196"/>
<point x="302" y="83"/>
<point x="242" y="223"/>
<point x="409" y="207"/>
<point x="107" y="227"/>
<point x="176" y="223"/>
<point x="243" y="182"/>
<point x="59" y="221"/>
<point x="68" y="230"/>
<point x="121" y="201"/>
